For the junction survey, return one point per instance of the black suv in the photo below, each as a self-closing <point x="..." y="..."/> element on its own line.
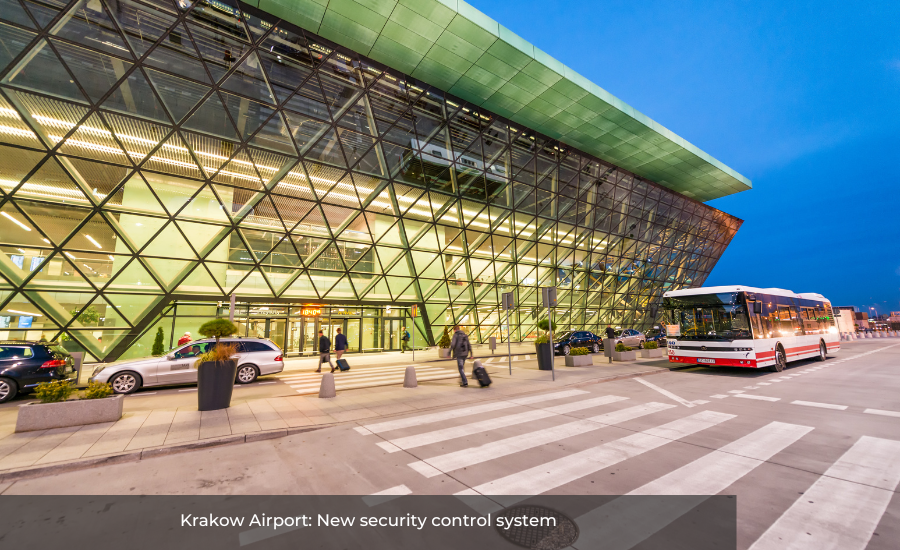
<point x="24" y="365"/>
<point x="565" y="341"/>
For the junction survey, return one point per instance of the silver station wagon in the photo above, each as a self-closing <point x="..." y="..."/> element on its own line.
<point x="256" y="357"/>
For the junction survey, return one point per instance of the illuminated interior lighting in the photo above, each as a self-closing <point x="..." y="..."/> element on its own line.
<point x="94" y="242"/>
<point x="111" y="258"/>
<point x="15" y="221"/>
<point x="28" y="313"/>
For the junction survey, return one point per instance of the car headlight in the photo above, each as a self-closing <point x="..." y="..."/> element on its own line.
<point x="97" y="370"/>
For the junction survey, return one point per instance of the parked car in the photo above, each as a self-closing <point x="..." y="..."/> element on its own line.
<point x="24" y="365"/>
<point x="631" y="338"/>
<point x="658" y="335"/>
<point x="565" y="341"/>
<point x="256" y="357"/>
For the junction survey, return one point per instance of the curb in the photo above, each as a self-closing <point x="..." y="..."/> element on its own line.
<point x="30" y="472"/>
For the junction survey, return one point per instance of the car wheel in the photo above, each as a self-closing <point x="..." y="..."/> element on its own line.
<point x="125" y="382"/>
<point x="823" y="351"/>
<point x="246" y="374"/>
<point x="596" y="347"/>
<point x="780" y="360"/>
<point x="566" y="349"/>
<point x="641" y="344"/>
<point x="8" y="389"/>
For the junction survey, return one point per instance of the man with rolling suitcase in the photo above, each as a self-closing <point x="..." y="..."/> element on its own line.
<point x="460" y="348"/>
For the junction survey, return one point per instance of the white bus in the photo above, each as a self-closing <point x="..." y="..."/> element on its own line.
<point x="739" y="326"/>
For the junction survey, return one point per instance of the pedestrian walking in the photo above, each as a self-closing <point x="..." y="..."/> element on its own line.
<point x="461" y="349"/>
<point x="404" y="340"/>
<point x="324" y="351"/>
<point x="340" y="344"/>
<point x="184" y="339"/>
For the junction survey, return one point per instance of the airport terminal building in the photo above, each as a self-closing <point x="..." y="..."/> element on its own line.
<point x="331" y="164"/>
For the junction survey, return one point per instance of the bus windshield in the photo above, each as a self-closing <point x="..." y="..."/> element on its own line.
<point x="712" y="317"/>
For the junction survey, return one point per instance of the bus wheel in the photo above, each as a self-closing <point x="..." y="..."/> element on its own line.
<point x="823" y="351"/>
<point x="780" y="360"/>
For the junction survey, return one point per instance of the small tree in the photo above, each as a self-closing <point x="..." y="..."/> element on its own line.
<point x="444" y="340"/>
<point x="217" y="328"/>
<point x="158" y="348"/>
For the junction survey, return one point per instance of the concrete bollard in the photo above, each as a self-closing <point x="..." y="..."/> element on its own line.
<point x="409" y="380"/>
<point x="326" y="390"/>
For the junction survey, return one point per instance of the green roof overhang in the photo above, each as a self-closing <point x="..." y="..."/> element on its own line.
<point x="454" y="47"/>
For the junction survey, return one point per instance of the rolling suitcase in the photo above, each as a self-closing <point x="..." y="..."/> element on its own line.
<point x="343" y="365"/>
<point x="481" y="375"/>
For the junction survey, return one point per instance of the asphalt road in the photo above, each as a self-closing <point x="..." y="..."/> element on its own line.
<point x="813" y="453"/>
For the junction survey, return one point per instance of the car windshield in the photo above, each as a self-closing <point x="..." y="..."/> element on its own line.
<point x="563" y="335"/>
<point x="721" y="322"/>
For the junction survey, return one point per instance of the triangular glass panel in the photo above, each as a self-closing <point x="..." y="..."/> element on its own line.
<point x="260" y="243"/>
<point x="100" y="179"/>
<point x="51" y="182"/>
<point x="275" y="135"/>
<point x="248" y="80"/>
<point x="307" y="247"/>
<point x="378" y="291"/>
<point x="291" y="210"/>
<point x="143" y="25"/>
<point x="96" y="235"/>
<point x="263" y="216"/>
<point x="134" y="96"/>
<point x="133" y="307"/>
<point x="174" y="158"/>
<point x="138" y="230"/>
<point x="136" y="196"/>
<point x="211" y="118"/>
<point x="219" y="51"/>
<point x="337" y="94"/>
<point x="361" y="281"/>
<point x="14" y="39"/>
<point x="16" y="165"/>
<point x="269" y="164"/>
<point x="296" y="184"/>
<point x="284" y="73"/>
<point x="11" y="10"/>
<point x="239" y="171"/>
<point x="284" y="254"/>
<point x="309" y="100"/>
<point x="17" y="132"/>
<point x="201" y="236"/>
<point x="138" y="136"/>
<point x="88" y="24"/>
<point x="357" y="230"/>
<point x="168" y="271"/>
<point x="400" y="268"/>
<point x="43" y="72"/>
<point x="328" y="150"/>
<point x="54" y="222"/>
<point x="169" y="243"/>
<point x="93" y="139"/>
<point x="248" y="115"/>
<point x="343" y="193"/>
<point x="439" y="292"/>
<point x="204" y="206"/>
<point x="353" y="253"/>
<point x="211" y="152"/>
<point x="313" y="223"/>
<point x="387" y="254"/>
<point x="178" y="95"/>
<point x="304" y="129"/>
<point x="301" y="287"/>
<point x="44" y="13"/>
<point x="369" y="190"/>
<point x="134" y="278"/>
<point x="372" y="162"/>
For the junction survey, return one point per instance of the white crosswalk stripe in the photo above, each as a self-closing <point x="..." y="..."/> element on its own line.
<point x="844" y="506"/>
<point x="550" y="475"/>
<point x="626" y="522"/>
<point x="511" y="445"/>
<point x="421" y="420"/>
<point x="419" y="440"/>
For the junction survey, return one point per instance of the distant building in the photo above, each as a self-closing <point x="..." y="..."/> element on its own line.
<point x="845" y="316"/>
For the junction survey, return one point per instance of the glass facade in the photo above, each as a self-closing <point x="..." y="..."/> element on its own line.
<point x="157" y="154"/>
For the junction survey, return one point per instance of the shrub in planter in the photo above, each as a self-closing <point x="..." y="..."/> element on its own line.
<point x="443" y="344"/>
<point x="54" y="392"/>
<point x="216" y="369"/>
<point x="622" y="347"/>
<point x="97" y="390"/>
<point x="651" y="345"/>
<point x="579" y="357"/>
<point x="55" y="411"/>
<point x="624" y="353"/>
<point x="651" y="350"/>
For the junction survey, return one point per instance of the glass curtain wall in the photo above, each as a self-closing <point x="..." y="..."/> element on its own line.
<point x="153" y="151"/>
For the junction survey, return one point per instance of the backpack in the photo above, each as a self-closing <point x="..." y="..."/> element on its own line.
<point x="462" y="344"/>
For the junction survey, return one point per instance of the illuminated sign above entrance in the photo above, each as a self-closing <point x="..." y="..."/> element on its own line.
<point x="311" y="311"/>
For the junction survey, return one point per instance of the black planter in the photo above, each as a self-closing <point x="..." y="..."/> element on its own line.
<point x="544" y="356"/>
<point x="215" y="383"/>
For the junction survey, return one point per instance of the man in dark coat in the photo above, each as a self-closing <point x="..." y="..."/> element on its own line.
<point x="324" y="351"/>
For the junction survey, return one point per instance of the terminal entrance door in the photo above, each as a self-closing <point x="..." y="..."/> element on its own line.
<point x="391" y="334"/>
<point x="273" y="329"/>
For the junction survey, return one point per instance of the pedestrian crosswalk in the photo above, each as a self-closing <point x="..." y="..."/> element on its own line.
<point x="309" y="382"/>
<point x="543" y="443"/>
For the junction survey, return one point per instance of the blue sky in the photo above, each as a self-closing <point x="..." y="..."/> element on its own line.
<point x="803" y="98"/>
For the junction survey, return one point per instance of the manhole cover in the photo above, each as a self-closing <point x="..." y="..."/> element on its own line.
<point x="554" y="534"/>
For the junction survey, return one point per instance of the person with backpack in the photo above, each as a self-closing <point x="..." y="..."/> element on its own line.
<point x="404" y="340"/>
<point x="324" y="351"/>
<point x="461" y="349"/>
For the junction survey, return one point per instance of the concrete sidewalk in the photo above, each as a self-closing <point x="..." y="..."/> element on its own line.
<point x="144" y="432"/>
